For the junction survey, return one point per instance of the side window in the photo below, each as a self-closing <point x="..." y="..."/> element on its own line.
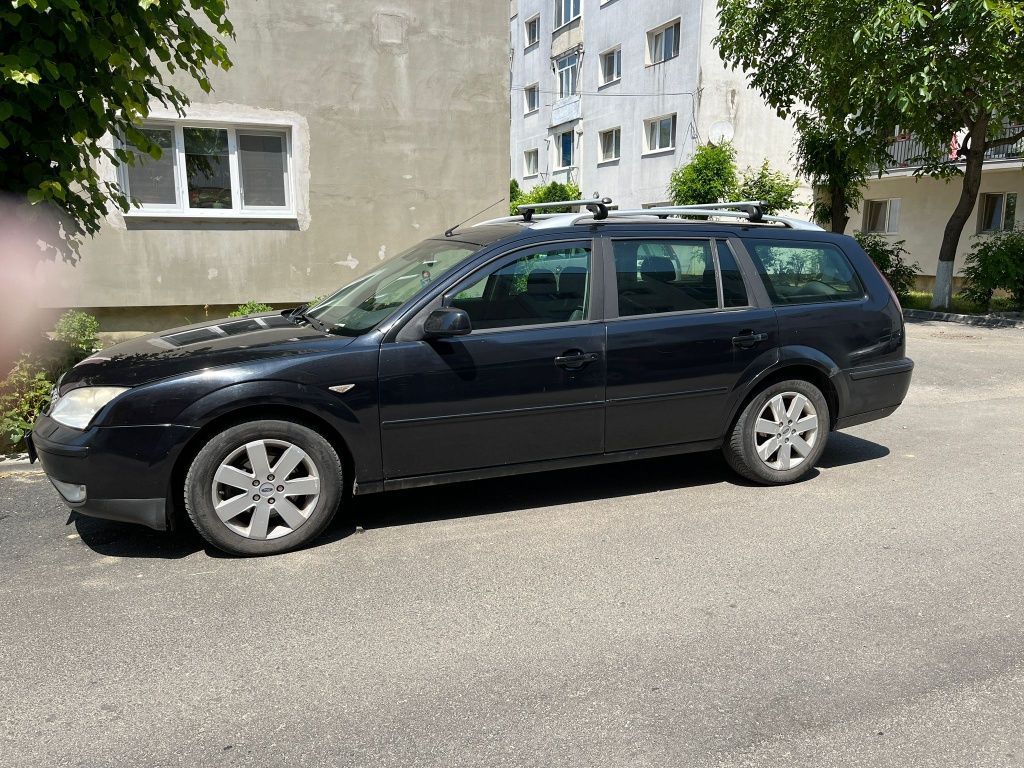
<point x="551" y="285"/>
<point x="656" y="276"/>
<point x="734" y="292"/>
<point x="804" y="273"/>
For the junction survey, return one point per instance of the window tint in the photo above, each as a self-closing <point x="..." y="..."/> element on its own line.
<point x="734" y="292"/>
<point x="804" y="273"/>
<point x="539" y="287"/>
<point x="655" y="276"/>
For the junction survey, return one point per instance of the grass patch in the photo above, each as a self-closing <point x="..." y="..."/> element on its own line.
<point x="961" y="305"/>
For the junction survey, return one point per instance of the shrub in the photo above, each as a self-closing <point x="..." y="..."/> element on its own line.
<point x="545" y="193"/>
<point x="890" y="258"/>
<point x="772" y="187"/>
<point x="996" y="262"/>
<point x="710" y="177"/>
<point x="251" y="308"/>
<point x="23" y="394"/>
<point x="78" y="330"/>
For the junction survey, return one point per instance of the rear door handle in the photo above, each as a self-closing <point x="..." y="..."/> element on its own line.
<point x="748" y="339"/>
<point x="575" y="358"/>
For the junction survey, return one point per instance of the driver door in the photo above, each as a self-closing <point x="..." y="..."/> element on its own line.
<point x="527" y="384"/>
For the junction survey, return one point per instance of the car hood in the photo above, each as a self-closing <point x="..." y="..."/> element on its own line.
<point x="197" y="347"/>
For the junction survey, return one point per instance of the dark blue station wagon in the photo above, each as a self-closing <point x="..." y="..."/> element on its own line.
<point x="522" y="344"/>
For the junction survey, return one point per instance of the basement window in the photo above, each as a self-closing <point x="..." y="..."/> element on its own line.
<point x="212" y="171"/>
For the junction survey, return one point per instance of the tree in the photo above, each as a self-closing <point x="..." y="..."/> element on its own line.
<point x="543" y="193"/>
<point x="710" y="177"/>
<point x="771" y="187"/>
<point x="838" y="163"/>
<point x="72" y="73"/>
<point x="933" y="68"/>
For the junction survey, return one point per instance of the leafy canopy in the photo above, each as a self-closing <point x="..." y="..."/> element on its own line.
<point x="710" y="177"/>
<point x="543" y="193"/>
<point x="73" y="71"/>
<point x="771" y="187"/>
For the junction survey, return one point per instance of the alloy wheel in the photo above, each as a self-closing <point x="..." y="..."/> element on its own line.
<point x="785" y="431"/>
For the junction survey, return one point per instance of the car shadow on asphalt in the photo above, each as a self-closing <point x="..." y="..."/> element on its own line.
<point x="478" y="498"/>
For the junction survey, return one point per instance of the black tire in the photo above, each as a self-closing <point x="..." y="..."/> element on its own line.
<point x="740" y="448"/>
<point x="320" y="462"/>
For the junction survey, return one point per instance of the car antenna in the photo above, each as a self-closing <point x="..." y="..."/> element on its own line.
<point x="450" y="232"/>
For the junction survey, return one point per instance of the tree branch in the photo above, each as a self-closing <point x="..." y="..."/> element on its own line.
<point x="1004" y="142"/>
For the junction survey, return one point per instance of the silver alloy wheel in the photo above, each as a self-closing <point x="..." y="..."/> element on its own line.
<point x="265" y="489"/>
<point x="786" y="430"/>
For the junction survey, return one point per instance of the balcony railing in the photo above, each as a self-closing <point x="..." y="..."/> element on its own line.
<point x="908" y="152"/>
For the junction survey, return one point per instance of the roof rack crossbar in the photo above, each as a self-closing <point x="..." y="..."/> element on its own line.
<point x="597" y="206"/>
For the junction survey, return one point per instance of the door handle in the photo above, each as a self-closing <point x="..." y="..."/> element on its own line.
<point x="575" y="359"/>
<point x="748" y="339"/>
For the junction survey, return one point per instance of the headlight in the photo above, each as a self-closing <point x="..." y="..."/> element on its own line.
<point x="78" y="406"/>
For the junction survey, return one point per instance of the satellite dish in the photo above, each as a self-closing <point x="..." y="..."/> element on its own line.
<point x="721" y="132"/>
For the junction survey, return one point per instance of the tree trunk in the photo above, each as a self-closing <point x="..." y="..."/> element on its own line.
<point x="943" y="294"/>
<point x="839" y="217"/>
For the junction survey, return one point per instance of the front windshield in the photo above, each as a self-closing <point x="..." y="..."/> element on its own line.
<point x="372" y="298"/>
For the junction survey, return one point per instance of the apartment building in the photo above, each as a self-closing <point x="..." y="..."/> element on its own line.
<point x="615" y="94"/>
<point x="342" y="134"/>
<point x="901" y="206"/>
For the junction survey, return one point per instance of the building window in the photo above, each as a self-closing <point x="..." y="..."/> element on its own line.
<point x="882" y="216"/>
<point x="531" y="159"/>
<point x="663" y="43"/>
<point x="997" y="212"/>
<point x="212" y="171"/>
<point x="532" y="98"/>
<point x="532" y="31"/>
<point x="566" y="11"/>
<point x="611" y="66"/>
<point x="611" y="144"/>
<point x="568" y="70"/>
<point x="660" y="133"/>
<point x="565" y="147"/>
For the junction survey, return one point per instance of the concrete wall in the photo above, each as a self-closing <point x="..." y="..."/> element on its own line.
<point x="711" y="102"/>
<point x="399" y="119"/>
<point x="926" y="205"/>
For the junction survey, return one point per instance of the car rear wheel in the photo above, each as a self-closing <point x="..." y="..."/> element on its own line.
<point x="263" y="487"/>
<point x="780" y="434"/>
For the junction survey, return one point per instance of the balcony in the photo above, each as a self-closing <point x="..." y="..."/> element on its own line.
<point x="907" y="153"/>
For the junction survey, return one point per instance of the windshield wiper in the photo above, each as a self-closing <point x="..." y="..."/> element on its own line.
<point x="301" y="313"/>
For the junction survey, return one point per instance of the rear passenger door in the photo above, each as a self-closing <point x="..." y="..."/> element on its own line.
<point x="683" y="328"/>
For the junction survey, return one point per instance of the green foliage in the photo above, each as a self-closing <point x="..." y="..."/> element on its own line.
<point x="78" y="330"/>
<point x="545" y="193"/>
<point x="770" y="186"/>
<point x="960" y="305"/>
<point x="996" y="262"/>
<point x="710" y="177"/>
<point x="24" y="392"/>
<point x="72" y="73"/>
<point x="890" y="258"/>
<point x="250" y="308"/>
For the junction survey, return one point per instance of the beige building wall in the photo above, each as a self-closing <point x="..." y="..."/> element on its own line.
<point x="926" y="205"/>
<point x="398" y="119"/>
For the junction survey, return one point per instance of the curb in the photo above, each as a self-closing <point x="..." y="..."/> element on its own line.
<point x="984" y="321"/>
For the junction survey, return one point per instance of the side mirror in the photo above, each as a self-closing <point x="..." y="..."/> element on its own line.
<point x="445" y="322"/>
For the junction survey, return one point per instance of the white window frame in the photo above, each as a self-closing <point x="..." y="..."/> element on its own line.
<point x="1002" y="212"/>
<point x="617" y="53"/>
<point x="575" y="11"/>
<point x="654" y="50"/>
<point x="535" y="89"/>
<point x="562" y="72"/>
<point x="616" y="133"/>
<point x="891" y="225"/>
<point x="648" y="149"/>
<point x="528" y="42"/>
<point x="181" y="209"/>
<point x="527" y="173"/>
<point x="558" y="150"/>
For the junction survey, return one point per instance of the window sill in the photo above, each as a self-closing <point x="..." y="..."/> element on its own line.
<point x="659" y="152"/>
<point x="531" y="112"/>
<point x="659" y="63"/>
<point x="530" y="176"/>
<point x="609" y="161"/>
<point x="569" y="23"/>
<point x="616" y="81"/>
<point x="212" y="214"/>
<point x="564" y="168"/>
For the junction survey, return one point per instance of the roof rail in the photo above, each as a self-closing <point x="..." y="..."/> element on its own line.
<point x="751" y="210"/>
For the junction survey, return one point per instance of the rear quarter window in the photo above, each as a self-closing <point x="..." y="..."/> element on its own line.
<point x="804" y="273"/>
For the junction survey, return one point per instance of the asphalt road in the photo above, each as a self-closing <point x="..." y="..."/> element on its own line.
<point x="653" y="614"/>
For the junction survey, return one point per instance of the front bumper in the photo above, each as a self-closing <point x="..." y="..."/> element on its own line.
<point x="114" y="473"/>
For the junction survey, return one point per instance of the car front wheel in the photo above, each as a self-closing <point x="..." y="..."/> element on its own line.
<point x="780" y="434"/>
<point x="263" y="487"/>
